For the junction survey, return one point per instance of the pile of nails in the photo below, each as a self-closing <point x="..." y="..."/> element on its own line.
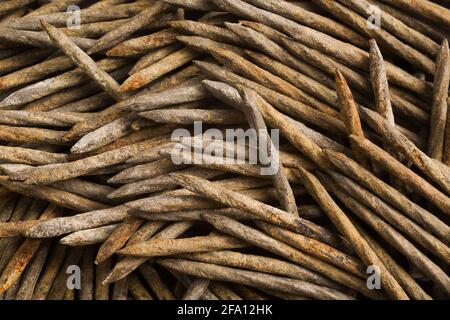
<point x="114" y="124"/>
